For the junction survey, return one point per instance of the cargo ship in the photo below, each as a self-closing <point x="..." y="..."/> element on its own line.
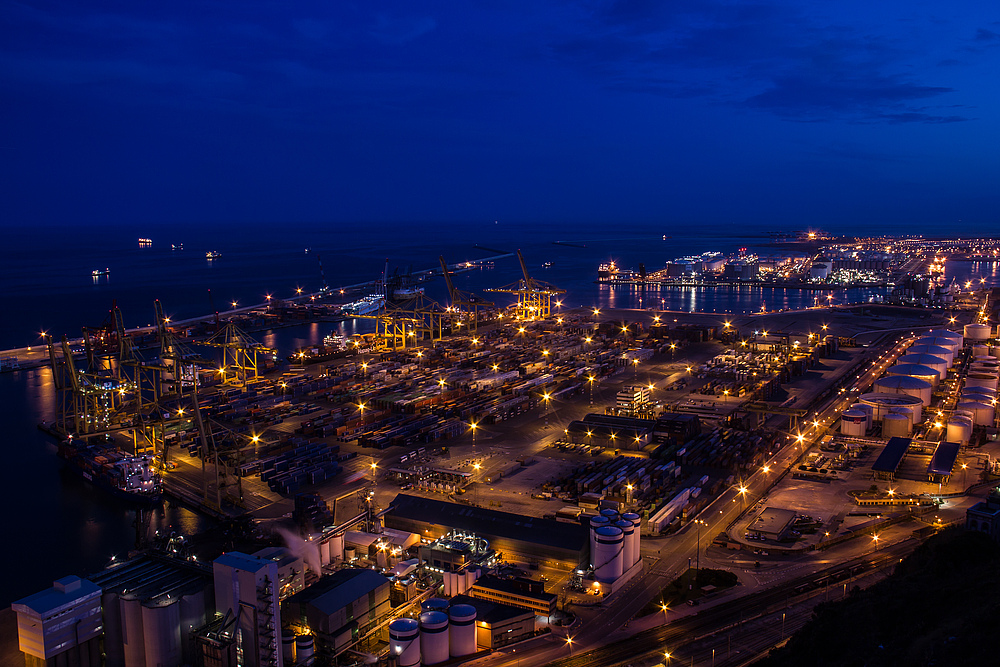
<point x="213" y="254"/>
<point x="100" y="272"/>
<point x="104" y="465"/>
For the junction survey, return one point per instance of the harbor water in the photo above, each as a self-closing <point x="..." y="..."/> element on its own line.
<point x="61" y="525"/>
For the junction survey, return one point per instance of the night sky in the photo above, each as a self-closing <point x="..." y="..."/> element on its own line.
<point x="774" y="114"/>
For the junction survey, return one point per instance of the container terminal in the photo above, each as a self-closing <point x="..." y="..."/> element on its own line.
<point x="476" y="480"/>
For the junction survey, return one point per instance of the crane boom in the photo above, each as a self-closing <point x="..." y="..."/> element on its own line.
<point x="447" y="279"/>
<point x="524" y="269"/>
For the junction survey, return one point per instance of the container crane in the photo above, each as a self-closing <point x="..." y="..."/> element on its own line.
<point x="463" y="301"/>
<point x="534" y="297"/>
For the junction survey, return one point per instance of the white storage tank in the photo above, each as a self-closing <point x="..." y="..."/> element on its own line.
<point x="336" y="548"/>
<point x="608" y="565"/>
<point x="982" y="413"/>
<point x="324" y="553"/>
<point x="945" y="353"/>
<point x="882" y="403"/>
<point x="305" y="648"/>
<point x="288" y="647"/>
<point x="940" y="364"/>
<point x="981" y="380"/>
<point x="349" y="554"/>
<point x="916" y="371"/>
<point x="636" y="538"/>
<point x="628" y="531"/>
<point x="977" y="331"/>
<point x="995" y="350"/>
<point x="462" y="619"/>
<point x="404" y="642"/>
<point x="949" y="343"/>
<point x="131" y="614"/>
<point x="853" y="423"/>
<point x="905" y="384"/>
<point x="434" y="637"/>
<point x="983" y="394"/>
<point x="610" y="514"/>
<point x="946" y="333"/>
<point x="895" y="426"/>
<point x="980" y="350"/>
<point x="959" y="430"/>
<point x="906" y="412"/>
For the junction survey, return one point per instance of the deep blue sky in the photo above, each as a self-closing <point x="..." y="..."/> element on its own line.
<point x="772" y="114"/>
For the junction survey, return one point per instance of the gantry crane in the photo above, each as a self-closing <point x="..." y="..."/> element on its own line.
<point x="534" y="297"/>
<point x="463" y="302"/>
<point x="239" y="354"/>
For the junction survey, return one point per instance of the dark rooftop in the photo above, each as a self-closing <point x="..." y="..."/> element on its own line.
<point x="547" y="532"/>
<point x="892" y="455"/>
<point x="943" y="461"/>
<point x="153" y="578"/>
<point x="491" y="612"/>
<point x="335" y="591"/>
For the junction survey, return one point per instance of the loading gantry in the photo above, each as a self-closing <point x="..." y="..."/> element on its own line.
<point x="464" y="303"/>
<point x="240" y="360"/>
<point x="534" y="297"/>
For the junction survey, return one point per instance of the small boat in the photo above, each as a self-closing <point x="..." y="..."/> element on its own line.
<point x="213" y="254"/>
<point x="100" y="272"/>
<point x="177" y="246"/>
<point x="547" y="265"/>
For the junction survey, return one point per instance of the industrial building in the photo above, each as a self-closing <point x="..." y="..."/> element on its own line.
<point x="291" y="569"/>
<point x="150" y="605"/>
<point x="773" y="523"/>
<point x="340" y="607"/>
<point x="498" y="624"/>
<point x="61" y="626"/>
<point x="246" y="590"/>
<point x="611" y="431"/>
<point x="515" y="592"/>
<point x="529" y="538"/>
<point x="984" y="516"/>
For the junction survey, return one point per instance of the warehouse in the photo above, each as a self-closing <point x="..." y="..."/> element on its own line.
<point x="340" y="606"/>
<point x="498" y="624"/>
<point x="517" y="536"/>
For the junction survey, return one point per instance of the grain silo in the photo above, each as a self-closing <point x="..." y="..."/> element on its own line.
<point x="608" y="563"/>
<point x="462" y="632"/>
<point x="434" y="647"/>
<point x="404" y="642"/>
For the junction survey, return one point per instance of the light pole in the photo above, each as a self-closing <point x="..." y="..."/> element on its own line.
<point x="477" y="468"/>
<point x="590" y="380"/>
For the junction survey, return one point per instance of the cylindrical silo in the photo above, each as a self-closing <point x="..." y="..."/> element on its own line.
<point x="959" y="430"/>
<point x="608" y="565"/>
<point x="113" y="639"/>
<point x="434" y="637"/>
<point x="595" y="523"/>
<point x="981" y="380"/>
<point x="906" y="411"/>
<point x="940" y="364"/>
<point x="612" y="515"/>
<point x="980" y="350"/>
<point x="349" y="554"/>
<point x="905" y="384"/>
<point x="628" y="530"/>
<point x="853" y="423"/>
<point x="916" y="371"/>
<point x="324" y="553"/>
<point x="462" y="632"/>
<point x="434" y="604"/>
<point x="287" y="646"/>
<point x="404" y="642"/>
<point x="336" y="548"/>
<point x="305" y="648"/>
<point x="945" y="353"/>
<point x="135" y="647"/>
<point x="636" y="539"/>
<point x="161" y="631"/>
<point x="982" y="394"/>
<point x="982" y="413"/>
<point x="977" y="331"/>
<point x="895" y="425"/>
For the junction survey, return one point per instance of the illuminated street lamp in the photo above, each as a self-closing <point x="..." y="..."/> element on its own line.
<point x="590" y="380"/>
